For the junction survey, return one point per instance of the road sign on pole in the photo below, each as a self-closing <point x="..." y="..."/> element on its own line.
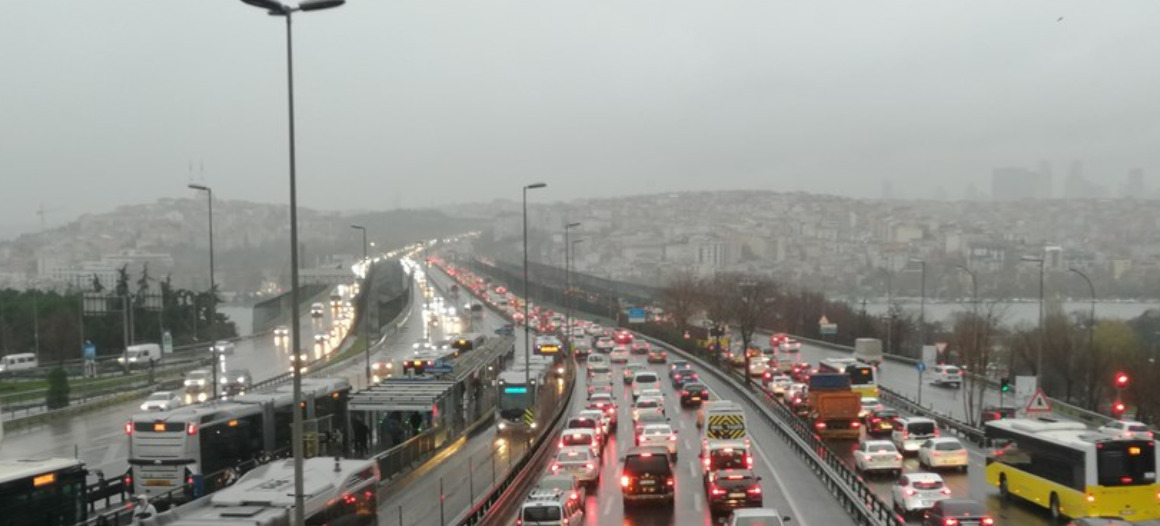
<point x="1039" y="404"/>
<point x="636" y="315"/>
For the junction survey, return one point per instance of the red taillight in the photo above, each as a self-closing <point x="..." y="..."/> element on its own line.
<point x="555" y="468"/>
<point x="191" y="429"/>
<point x="855" y="424"/>
<point x="611" y="410"/>
<point x="672" y="438"/>
<point x="950" y="522"/>
<point x="684" y="393"/>
<point x="574" y="496"/>
<point x="717" y="491"/>
<point x="820" y="425"/>
<point x="749" y="461"/>
<point x="754" y="490"/>
<point x="129" y="427"/>
<point x="625" y="480"/>
<point x="898" y="456"/>
<point x="669" y="481"/>
<point x="946" y="491"/>
<point x="987" y="521"/>
<point x="588" y="466"/>
<point x="1125" y="480"/>
<point x="909" y="492"/>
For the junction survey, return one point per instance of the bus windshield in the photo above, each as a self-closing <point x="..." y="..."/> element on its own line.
<point x="510" y="399"/>
<point x="860" y="375"/>
<point x="1126" y="463"/>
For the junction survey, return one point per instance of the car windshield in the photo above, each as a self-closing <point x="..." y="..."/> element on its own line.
<point x="657" y="430"/>
<point x="727" y="459"/>
<point x="881" y="447"/>
<point x="758" y="521"/>
<point x="574" y="455"/>
<point x="547" y="512"/>
<point x="921" y="428"/>
<point x="927" y="484"/>
<point x="647" y="403"/>
<point x="948" y="446"/>
<point x="961" y="508"/>
<point x="581" y="423"/>
<point x="652" y="464"/>
<point x="159" y="396"/>
<point x="646" y="378"/>
<point x="1137" y="428"/>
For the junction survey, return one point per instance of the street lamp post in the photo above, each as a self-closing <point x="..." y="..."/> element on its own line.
<point x="921" y="305"/>
<point x="276" y="8"/>
<point x="570" y="295"/>
<point x="212" y="284"/>
<point x="1092" y="313"/>
<point x="568" y="283"/>
<point x="365" y="292"/>
<point x="1039" y="351"/>
<point x="527" y="326"/>
<point x="975" y="306"/>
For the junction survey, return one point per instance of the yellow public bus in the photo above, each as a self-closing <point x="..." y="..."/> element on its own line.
<point x="1073" y="471"/>
<point x="863" y="377"/>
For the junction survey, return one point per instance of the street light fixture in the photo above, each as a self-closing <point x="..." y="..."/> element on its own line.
<point x="527" y="326"/>
<point x="365" y="292"/>
<point x="212" y="286"/>
<point x="1039" y="352"/>
<point x="276" y="8"/>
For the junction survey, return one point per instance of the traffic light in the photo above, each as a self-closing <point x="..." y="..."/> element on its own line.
<point x="1118" y="409"/>
<point x="1005" y="384"/>
<point x="1121" y="380"/>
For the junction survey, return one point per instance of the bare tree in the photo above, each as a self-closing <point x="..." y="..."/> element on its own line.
<point x="754" y="304"/>
<point x="974" y="335"/>
<point x="682" y="298"/>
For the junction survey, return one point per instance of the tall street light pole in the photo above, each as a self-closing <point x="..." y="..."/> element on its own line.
<point x="527" y="325"/>
<point x="1039" y="351"/>
<point x="276" y="8"/>
<point x="212" y="285"/>
<point x="365" y="292"/>
<point x="1092" y="313"/>
<point x="975" y="305"/>
<point x="568" y="283"/>
<point x="573" y="258"/>
<point x="921" y="305"/>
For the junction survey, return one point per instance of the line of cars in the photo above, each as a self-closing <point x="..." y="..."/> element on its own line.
<point x="647" y="473"/>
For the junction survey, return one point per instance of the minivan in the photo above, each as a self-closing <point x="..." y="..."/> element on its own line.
<point x="550" y="507"/>
<point x="17" y="362"/>
<point x="910" y="433"/>
<point x="644" y="380"/>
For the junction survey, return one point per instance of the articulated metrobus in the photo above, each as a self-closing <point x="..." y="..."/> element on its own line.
<point x="1073" y="471"/>
<point x="42" y="492"/>
<point x="167" y="449"/>
<point x="863" y="377"/>
<point x="338" y="492"/>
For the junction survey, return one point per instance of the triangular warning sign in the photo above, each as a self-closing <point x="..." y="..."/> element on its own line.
<point x="824" y="320"/>
<point x="1039" y="403"/>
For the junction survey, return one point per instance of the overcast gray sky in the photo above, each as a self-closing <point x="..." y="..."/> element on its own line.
<point x="432" y="102"/>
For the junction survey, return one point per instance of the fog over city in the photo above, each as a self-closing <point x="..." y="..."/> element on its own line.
<point x="413" y="104"/>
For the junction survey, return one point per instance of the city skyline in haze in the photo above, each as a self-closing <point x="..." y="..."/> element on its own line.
<point x="419" y="104"/>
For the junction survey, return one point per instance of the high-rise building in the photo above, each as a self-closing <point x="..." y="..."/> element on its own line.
<point x="1133" y="186"/>
<point x="1015" y="184"/>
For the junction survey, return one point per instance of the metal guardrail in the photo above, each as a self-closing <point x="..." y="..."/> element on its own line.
<point x="946" y="423"/>
<point x="855" y="497"/>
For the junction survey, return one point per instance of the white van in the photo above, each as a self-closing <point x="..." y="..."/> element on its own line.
<point x="141" y="353"/>
<point x="553" y="507"/>
<point x="18" y="362"/>
<point x="224" y="347"/>
<point x="910" y="433"/>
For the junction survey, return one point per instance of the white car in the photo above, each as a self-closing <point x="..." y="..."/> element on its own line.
<point x="917" y="492"/>
<point x="224" y="347"/>
<point x="660" y="435"/>
<point x="162" y="401"/>
<point x="581" y="438"/>
<point x="594" y="359"/>
<point x="779" y="384"/>
<point x="947" y="375"/>
<point x="655" y="393"/>
<point x="796" y="391"/>
<point x="599" y="416"/>
<point x="650" y="404"/>
<point x="757" y="517"/>
<point x="644" y="380"/>
<point x="578" y="462"/>
<point x="281" y="331"/>
<point x="877" y="455"/>
<point x="198" y="379"/>
<point x="1127" y="429"/>
<point x="619" y="354"/>
<point x="943" y="452"/>
<point x="869" y="403"/>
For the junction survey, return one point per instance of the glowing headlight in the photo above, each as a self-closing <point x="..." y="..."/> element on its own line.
<point x="533" y="425"/>
<point x="201" y="397"/>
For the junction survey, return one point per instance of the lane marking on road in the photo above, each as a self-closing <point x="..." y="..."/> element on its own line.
<point x="697" y="504"/>
<point x="607" y="508"/>
<point x="693" y="468"/>
<point x="781" y="485"/>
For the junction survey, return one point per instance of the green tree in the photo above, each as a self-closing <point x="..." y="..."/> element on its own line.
<point x="96" y="284"/>
<point x="57" y="395"/>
